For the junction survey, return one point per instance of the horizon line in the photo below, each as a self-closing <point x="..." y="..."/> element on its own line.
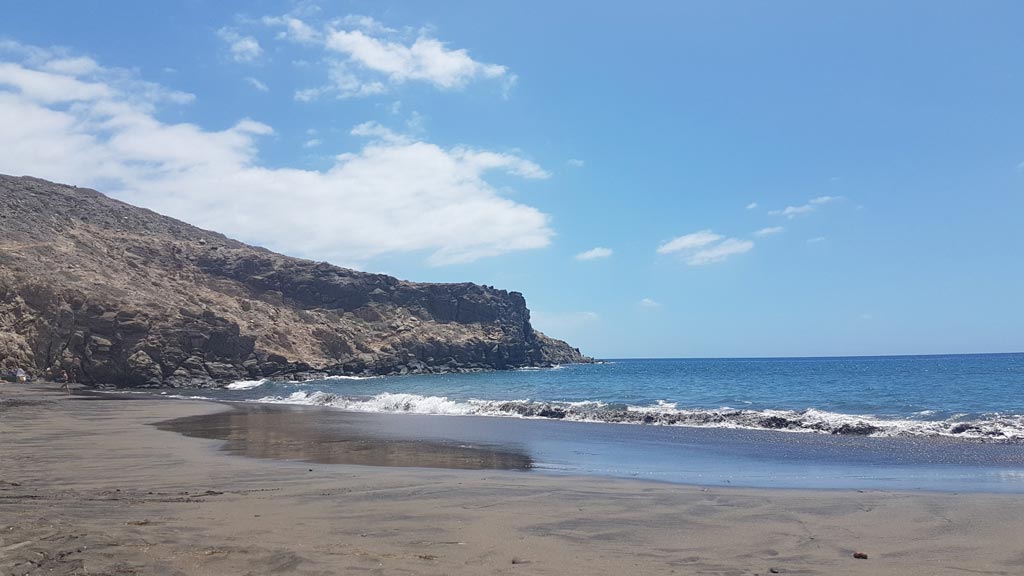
<point x="808" y="357"/>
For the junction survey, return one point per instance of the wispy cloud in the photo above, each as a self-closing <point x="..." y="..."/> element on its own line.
<point x="242" y="48"/>
<point x="648" y="303"/>
<point x="752" y="205"/>
<point x="810" y="206"/>
<point x="426" y="59"/>
<point x="311" y="143"/>
<point x="769" y="231"/>
<point x="689" y="241"/>
<point x="705" y="247"/>
<point x="719" y="252"/>
<point x="396" y="193"/>
<point x="363" y="57"/>
<point x="293" y="29"/>
<point x="824" y="199"/>
<point x="594" y="254"/>
<point x="816" y="240"/>
<point x="257" y="84"/>
<point x="575" y="162"/>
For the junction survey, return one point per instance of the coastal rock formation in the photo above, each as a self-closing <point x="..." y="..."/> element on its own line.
<point x="128" y="297"/>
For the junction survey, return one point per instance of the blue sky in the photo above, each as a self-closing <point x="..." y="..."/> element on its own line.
<point x="659" y="179"/>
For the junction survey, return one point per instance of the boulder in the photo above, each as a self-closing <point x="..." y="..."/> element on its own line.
<point x="143" y="372"/>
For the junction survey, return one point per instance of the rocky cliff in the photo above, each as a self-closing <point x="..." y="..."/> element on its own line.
<point x="128" y="297"/>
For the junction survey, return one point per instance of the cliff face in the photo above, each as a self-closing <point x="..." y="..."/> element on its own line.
<point x="131" y="298"/>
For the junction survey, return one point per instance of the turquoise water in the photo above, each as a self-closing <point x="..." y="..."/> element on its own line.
<point x="961" y="396"/>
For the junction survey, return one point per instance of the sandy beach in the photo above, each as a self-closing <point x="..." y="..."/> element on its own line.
<point x="89" y="486"/>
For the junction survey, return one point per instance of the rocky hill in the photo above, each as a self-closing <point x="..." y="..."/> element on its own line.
<point x="128" y="297"/>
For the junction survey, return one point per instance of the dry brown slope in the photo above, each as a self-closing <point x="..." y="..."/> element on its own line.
<point x="129" y="297"/>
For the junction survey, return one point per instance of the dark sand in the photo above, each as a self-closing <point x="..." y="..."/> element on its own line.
<point x="91" y="487"/>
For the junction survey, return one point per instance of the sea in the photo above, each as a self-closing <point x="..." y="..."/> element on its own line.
<point x="943" y="423"/>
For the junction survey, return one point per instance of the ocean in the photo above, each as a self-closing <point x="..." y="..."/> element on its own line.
<point x="950" y="422"/>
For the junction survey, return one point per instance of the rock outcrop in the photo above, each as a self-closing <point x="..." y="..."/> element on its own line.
<point x="128" y="297"/>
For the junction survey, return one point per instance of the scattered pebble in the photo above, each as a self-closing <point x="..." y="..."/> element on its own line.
<point x="860" y="555"/>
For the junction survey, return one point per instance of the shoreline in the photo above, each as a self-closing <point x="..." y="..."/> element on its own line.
<point x="598" y="394"/>
<point x="92" y="485"/>
<point x="709" y="456"/>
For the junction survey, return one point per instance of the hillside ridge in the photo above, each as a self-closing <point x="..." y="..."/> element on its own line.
<point x="128" y="297"/>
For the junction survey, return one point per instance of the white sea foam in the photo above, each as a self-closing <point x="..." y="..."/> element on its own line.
<point x="664" y="413"/>
<point x="250" y="384"/>
<point x="188" y="397"/>
<point x="245" y="384"/>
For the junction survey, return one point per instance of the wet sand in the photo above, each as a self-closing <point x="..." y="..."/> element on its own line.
<point x="93" y="487"/>
<point x="303" y="434"/>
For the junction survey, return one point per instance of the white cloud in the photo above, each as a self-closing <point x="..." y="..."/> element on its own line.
<point x="426" y="59"/>
<point x="594" y="254"/>
<point x="689" y="241"/>
<point x="824" y="199"/>
<point x="816" y="239"/>
<point x="810" y="206"/>
<point x="242" y="48"/>
<point x="648" y="303"/>
<point x="365" y="23"/>
<point x="769" y="231"/>
<point x="311" y="143"/>
<point x="377" y="130"/>
<point x="257" y="84"/>
<point x="293" y="29"/>
<point x="415" y="122"/>
<point x="705" y="247"/>
<point x="38" y="78"/>
<point x="395" y="194"/>
<point x="752" y="205"/>
<point x="793" y="211"/>
<point x="512" y="164"/>
<point x="50" y="87"/>
<point x="575" y="162"/>
<point x="347" y="84"/>
<point x="719" y="252"/>
<point x="308" y="94"/>
<point x="363" y="57"/>
<point x="74" y="66"/>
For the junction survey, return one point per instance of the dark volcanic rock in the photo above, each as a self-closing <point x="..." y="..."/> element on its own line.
<point x="125" y="296"/>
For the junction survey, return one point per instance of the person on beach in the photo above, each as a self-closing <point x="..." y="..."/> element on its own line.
<point x="65" y="380"/>
<point x="20" y="376"/>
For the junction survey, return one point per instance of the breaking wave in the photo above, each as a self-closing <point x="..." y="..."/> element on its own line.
<point x="992" y="426"/>
<point x="250" y="384"/>
<point x="245" y="384"/>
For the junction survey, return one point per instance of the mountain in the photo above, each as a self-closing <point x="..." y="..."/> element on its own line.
<point x="131" y="298"/>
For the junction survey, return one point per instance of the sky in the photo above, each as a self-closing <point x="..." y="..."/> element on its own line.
<point x="659" y="179"/>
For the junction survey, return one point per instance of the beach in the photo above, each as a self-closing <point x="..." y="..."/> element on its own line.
<point x="89" y="486"/>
